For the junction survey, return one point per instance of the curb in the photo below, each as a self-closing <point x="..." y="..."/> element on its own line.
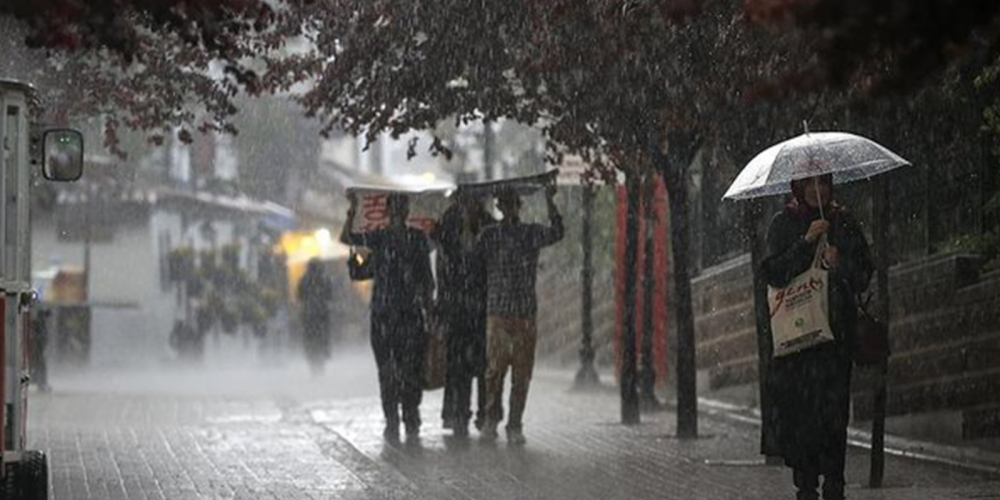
<point x="971" y="459"/>
<point x="953" y="456"/>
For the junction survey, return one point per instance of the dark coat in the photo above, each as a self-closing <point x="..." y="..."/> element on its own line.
<point x="810" y="389"/>
<point x="315" y="292"/>
<point x="461" y="272"/>
<point x="402" y="274"/>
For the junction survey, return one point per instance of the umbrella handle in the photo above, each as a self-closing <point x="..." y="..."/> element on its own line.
<point x="818" y="198"/>
<point x="805" y="126"/>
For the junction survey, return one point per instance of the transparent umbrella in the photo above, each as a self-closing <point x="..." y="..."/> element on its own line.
<point x="847" y="156"/>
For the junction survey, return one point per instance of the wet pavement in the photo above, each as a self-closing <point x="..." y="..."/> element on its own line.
<point x="278" y="433"/>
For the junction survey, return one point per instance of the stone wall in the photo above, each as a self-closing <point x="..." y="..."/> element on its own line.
<point x="725" y="335"/>
<point x="945" y="339"/>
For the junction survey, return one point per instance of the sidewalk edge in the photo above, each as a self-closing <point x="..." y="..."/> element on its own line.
<point x="954" y="456"/>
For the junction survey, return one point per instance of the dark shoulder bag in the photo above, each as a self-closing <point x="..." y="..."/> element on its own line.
<point x="872" y="337"/>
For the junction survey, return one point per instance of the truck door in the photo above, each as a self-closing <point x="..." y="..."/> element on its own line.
<point x="14" y="258"/>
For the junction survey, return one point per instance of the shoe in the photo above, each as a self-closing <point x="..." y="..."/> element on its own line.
<point x="515" y="437"/>
<point x="460" y="429"/>
<point x="413" y="429"/>
<point x="488" y="432"/>
<point x="391" y="433"/>
<point x="833" y="490"/>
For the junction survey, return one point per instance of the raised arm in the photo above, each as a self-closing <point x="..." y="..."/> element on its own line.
<point x="347" y="234"/>
<point x="555" y="231"/>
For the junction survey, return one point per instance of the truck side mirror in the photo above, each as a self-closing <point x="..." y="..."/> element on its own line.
<point x="62" y="155"/>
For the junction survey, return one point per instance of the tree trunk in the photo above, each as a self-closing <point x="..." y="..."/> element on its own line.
<point x="629" y="396"/>
<point x="647" y="387"/>
<point x="673" y="166"/>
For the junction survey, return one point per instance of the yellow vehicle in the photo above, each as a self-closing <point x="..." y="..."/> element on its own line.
<point x="59" y="154"/>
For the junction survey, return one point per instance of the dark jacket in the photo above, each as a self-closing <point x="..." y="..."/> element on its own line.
<point x="315" y="291"/>
<point x="461" y="272"/>
<point x="811" y="389"/>
<point x="402" y="267"/>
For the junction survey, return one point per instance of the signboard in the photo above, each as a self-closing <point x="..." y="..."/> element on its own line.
<point x="425" y="207"/>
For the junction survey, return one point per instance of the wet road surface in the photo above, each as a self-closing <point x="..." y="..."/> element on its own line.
<point x="251" y="432"/>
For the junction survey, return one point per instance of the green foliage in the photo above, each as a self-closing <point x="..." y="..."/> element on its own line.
<point x="180" y="264"/>
<point x="987" y="245"/>
<point x="224" y="295"/>
<point x="987" y="82"/>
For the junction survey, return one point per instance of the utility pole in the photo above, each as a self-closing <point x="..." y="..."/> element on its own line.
<point x="377" y="166"/>
<point x="488" y="150"/>
<point x="587" y="377"/>
<point x="882" y="244"/>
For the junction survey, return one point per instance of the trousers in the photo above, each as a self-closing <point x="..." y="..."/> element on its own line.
<point x="510" y="344"/>
<point x="397" y="337"/>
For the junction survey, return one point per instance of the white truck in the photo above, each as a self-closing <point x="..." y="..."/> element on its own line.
<point x="59" y="155"/>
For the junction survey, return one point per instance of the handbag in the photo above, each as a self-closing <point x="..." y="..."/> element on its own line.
<point x="800" y="311"/>
<point x="360" y="267"/>
<point x="872" y="343"/>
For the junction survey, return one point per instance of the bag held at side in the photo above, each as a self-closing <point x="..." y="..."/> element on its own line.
<point x="873" y="338"/>
<point x="359" y="266"/>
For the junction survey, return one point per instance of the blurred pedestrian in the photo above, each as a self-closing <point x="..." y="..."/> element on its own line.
<point x="37" y="345"/>
<point x="315" y="294"/>
<point x="511" y="249"/>
<point x="402" y="294"/>
<point x="462" y="306"/>
<point x="811" y="388"/>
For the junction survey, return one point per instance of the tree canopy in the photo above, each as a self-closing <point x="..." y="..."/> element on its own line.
<point x="593" y="73"/>
<point x="889" y="46"/>
<point x="151" y="65"/>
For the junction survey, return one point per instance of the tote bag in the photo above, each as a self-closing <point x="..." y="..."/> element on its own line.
<point x="800" y="316"/>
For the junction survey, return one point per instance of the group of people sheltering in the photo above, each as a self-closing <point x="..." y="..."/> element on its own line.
<point x="485" y="298"/>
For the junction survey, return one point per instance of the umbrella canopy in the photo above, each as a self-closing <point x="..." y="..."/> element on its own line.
<point x="847" y="156"/>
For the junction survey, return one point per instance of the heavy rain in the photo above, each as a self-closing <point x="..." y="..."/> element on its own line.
<point x="570" y="249"/>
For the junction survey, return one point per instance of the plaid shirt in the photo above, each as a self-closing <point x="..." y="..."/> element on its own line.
<point x="511" y="254"/>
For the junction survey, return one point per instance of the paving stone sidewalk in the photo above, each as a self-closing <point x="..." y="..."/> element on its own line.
<point x="284" y="436"/>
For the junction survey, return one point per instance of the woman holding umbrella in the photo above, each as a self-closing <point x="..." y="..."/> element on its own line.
<point x="811" y="388"/>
